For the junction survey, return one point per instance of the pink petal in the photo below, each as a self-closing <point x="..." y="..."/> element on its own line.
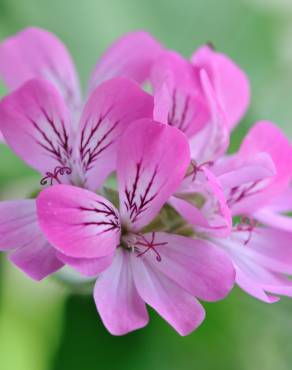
<point x="272" y="249"/>
<point x="117" y="301"/>
<point x="214" y="216"/>
<point x="36" y="125"/>
<point x="239" y="171"/>
<point x="230" y="83"/>
<point x="283" y="202"/>
<point x="20" y="233"/>
<point x="148" y="153"/>
<point x="108" y="112"/>
<point x="271" y="218"/>
<point x="174" y="304"/>
<point x="87" y="266"/>
<point x="177" y="91"/>
<point x="38" y="259"/>
<point x="261" y="257"/>
<point x="245" y="181"/>
<point x="198" y="267"/>
<point x="77" y="222"/>
<point x="34" y="53"/>
<point x="131" y="56"/>
<point x="213" y="140"/>
<point x="248" y="284"/>
<point x="266" y="137"/>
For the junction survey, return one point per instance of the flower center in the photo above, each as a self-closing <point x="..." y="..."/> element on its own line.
<point x="140" y="244"/>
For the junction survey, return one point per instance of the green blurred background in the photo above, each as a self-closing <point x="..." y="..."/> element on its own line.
<point x="42" y="326"/>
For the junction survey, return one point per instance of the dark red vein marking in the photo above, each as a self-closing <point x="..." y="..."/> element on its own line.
<point x="179" y="122"/>
<point x="59" y="148"/>
<point x="136" y="207"/>
<point x="150" y="246"/>
<point x="90" y="151"/>
<point x="111" y="217"/>
<point x="240" y="192"/>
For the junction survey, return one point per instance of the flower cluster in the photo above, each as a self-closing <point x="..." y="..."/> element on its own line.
<point x="180" y="219"/>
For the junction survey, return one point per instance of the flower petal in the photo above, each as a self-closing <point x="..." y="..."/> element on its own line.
<point x="87" y="266"/>
<point x="271" y="218"/>
<point x="177" y="90"/>
<point x="262" y="257"/>
<point x="77" y="222"/>
<point x="214" y="215"/>
<point x="116" y="297"/>
<point x="36" y="125"/>
<point x="148" y="153"/>
<point x="197" y="266"/>
<point x="265" y="136"/>
<point x="173" y="303"/>
<point x="245" y="181"/>
<point x="108" y="112"/>
<point x="237" y="171"/>
<point x="20" y="233"/>
<point x="131" y="56"/>
<point x="34" y="53"/>
<point x="230" y="83"/>
<point x="213" y="140"/>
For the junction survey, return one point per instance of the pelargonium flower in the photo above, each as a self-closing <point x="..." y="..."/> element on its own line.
<point x="164" y="270"/>
<point x="37" y="125"/>
<point x="251" y="181"/>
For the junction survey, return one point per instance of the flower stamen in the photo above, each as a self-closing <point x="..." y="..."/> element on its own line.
<point x="51" y="176"/>
<point x="150" y="246"/>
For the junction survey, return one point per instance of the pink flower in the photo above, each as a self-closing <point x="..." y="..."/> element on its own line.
<point x="134" y="267"/>
<point x="38" y="125"/>
<point x="251" y="181"/>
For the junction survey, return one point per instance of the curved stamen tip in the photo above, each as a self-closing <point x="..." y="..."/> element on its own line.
<point x="54" y="176"/>
<point x="247" y="224"/>
<point x="150" y="245"/>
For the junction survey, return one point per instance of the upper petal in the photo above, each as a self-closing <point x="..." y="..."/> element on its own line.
<point x="77" y="222"/>
<point x="198" y="267"/>
<point x="34" y="53"/>
<point x="131" y="56"/>
<point x="245" y="180"/>
<point x="213" y="139"/>
<point x="152" y="161"/>
<point x="121" y="308"/>
<point x="110" y="109"/>
<point x="229" y="81"/>
<point x="265" y="136"/>
<point x="179" y="100"/>
<point x="36" y="125"/>
<point x="20" y="233"/>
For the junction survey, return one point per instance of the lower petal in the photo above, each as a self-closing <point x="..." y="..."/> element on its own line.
<point x="121" y="308"/>
<point x="197" y="266"/>
<point x="87" y="266"/>
<point x="38" y="259"/>
<point x="20" y="232"/>
<point x="174" y="304"/>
